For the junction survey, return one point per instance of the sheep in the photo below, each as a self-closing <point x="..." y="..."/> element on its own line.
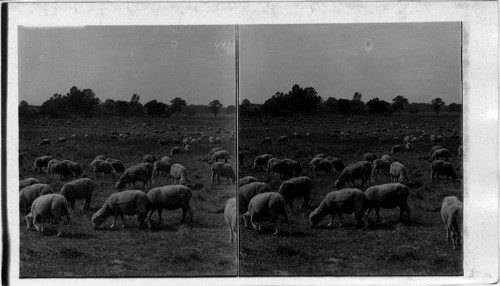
<point x="294" y="165"/>
<point x="408" y="146"/>
<point x="350" y="174"/>
<point x="315" y="161"/>
<point x="129" y="202"/>
<point x="231" y="218"/>
<point x="387" y="157"/>
<point x="60" y="168"/>
<point x="75" y="167"/>
<point x="369" y="157"/>
<point x="395" y="149"/>
<point x="215" y="149"/>
<point x="443" y="152"/>
<point x="282" y="168"/>
<point x="440" y="167"/>
<point x="320" y="155"/>
<point x="324" y="166"/>
<point x="260" y="161"/>
<point x="270" y="162"/>
<point x="99" y="166"/>
<point x="397" y="172"/>
<point x="162" y="142"/>
<point x="44" y="142"/>
<point x="176" y="142"/>
<point x="133" y="174"/>
<point x="148" y="158"/>
<point x="336" y="163"/>
<point x="397" y="140"/>
<point x="53" y="206"/>
<point x="161" y="166"/>
<point x="380" y="164"/>
<point x="171" y="198"/>
<point x="451" y="214"/>
<point x="246" y="180"/>
<point x="296" y="188"/>
<point x="247" y="192"/>
<point x="27" y="182"/>
<point x="388" y="196"/>
<point x="116" y="164"/>
<point x="167" y="159"/>
<point x="346" y="201"/>
<point x="178" y="174"/>
<point x="265" y="140"/>
<point x="220" y="169"/>
<point x="369" y="167"/>
<point x="41" y="162"/>
<point x="267" y="205"/>
<point x="150" y="168"/>
<point x="61" y="140"/>
<point x="220" y="155"/>
<point x="100" y="157"/>
<point x="187" y="148"/>
<point x="434" y="148"/>
<point x="28" y="194"/>
<point x="175" y="150"/>
<point x="383" y="140"/>
<point x="460" y="151"/>
<point x="282" y="140"/>
<point x="77" y="190"/>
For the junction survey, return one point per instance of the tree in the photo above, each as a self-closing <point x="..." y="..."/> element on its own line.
<point x="454" y="107"/>
<point x="23" y="107"/>
<point x="134" y="106"/>
<point x="230" y="109"/>
<point x="155" y="107"/>
<point x="215" y="105"/>
<point x="344" y="106"/>
<point x="357" y="105"/>
<point x="109" y="106"/>
<point x="298" y="100"/>
<point x="121" y="107"/>
<point x="437" y="103"/>
<point x="399" y="103"/>
<point x="376" y="105"/>
<point x="331" y="104"/>
<point x="177" y="104"/>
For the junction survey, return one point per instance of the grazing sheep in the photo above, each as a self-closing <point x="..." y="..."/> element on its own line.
<point x="117" y="165"/>
<point x="387" y="157"/>
<point x="100" y="157"/>
<point x="346" y="201"/>
<point x="187" y="148"/>
<point x="350" y="174"/>
<point x="246" y="180"/>
<point x="28" y="194"/>
<point x="247" y="192"/>
<point x="388" y="196"/>
<point x="460" y="151"/>
<point x="383" y="140"/>
<point x="434" y="148"/>
<point x="44" y="142"/>
<point x="148" y="158"/>
<point x="215" y="149"/>
<point x="77" y="190"/>
<point x="265" y="140"/>
<point x="260" y="161"/>
<point x="296" y="188"/>
<point x="220" y="169"/>
<point x="369" y="167"/>
<point x="171" y="198"/>
<point x="271" y="161"/>
<point x="41" y="162"/>
<point x="99" y="166"/>
<point x="133" y="174"/>
<point x="315" y="161"/>
<point x="294" y="165"/>
<point x="451" y="213"/>
<point x="178" y="174"/>
<point x="60" y="168"/>
<point x="380" y="164"/>
<point x="397" y="172"/>
<point x="175" y="150"/>
<point x="231" y="218"/>
<point x="75" y="167"/>
<point x="52" y="206"/>
<point x="267" y="205"/>
<point x="159" y="166"/>
<point x="440" y="167"/>
<point x="129" y="202"/>
<point x="397" y="140"/>
<point x="370" y="157"/>
<point x="176" y="142"/>
<point x="167" y="159"/>
<point x="336" y="163"/>
<point x="61" y="140"/>
<point x="320" y="155"/>
<point x="395" y="149"/>
<point x="27" y="182"/>
<point x="282" y="140"/>
<point x="324" y="166"/>
<point x="220" y="155"/>
<point x="408" y="146"/>
<point x="162" y="141"/>
<point x="441" y="153"/>
<point x="282" y="168"/>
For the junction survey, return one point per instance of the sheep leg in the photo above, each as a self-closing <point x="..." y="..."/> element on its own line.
<point x="159" y="214"/>
<point x="184" y="211"/>
<point x="59" y="226"/>
<point x="27" y="219"/>
<point x="331" y="220"/>
<point x="252" y="221"/>
<point x="35" y="224"/>
<point x="408" y="212"/>
<point x="230" y="234"/>
<point x="447" y="233"/>
<point x="340" y="217"/>
<point x="190" y="211"/>
<point x="123" y="220"/>
<point x="71" y="223"/>
<point x="114" y="221"/>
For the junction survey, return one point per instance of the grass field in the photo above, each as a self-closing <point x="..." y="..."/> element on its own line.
<point x="384" y="248"/>
<point x="200" y="248"/>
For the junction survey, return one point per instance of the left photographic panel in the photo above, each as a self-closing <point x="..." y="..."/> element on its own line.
<point x="127" y="151"/>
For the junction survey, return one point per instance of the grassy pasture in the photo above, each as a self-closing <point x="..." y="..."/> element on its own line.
<point x="200" y="248"/>
<point x="384" y="248"/>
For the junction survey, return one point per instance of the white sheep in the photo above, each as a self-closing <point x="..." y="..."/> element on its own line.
<point x="270" y="162"/>
<point x="231" y="218"/>
<point x="77" y="190"/>
<point x="324" y="166"/>
<point x="434" y="148"/>
<point x="282" y="140"/>
<point x="440" y="167"/>
<point x="41" y="162"/>
<point x="369" y="157"/>
<point x="220" y="155"/>
<point x="260" y="161"/>
<point x="336" y="163"/>
<point x="265" y="140"/>
<point x="99" y="166"/>
<point x="187" y="148"/>
<point x="380" y="164"/>
<point x="395" y="149"/>
<point x="61" y="140"/>
<point x="397" y="172"/>
<point x="451" y="213"/>
<point x="352" y="173"/>
<point x="133" y="174"/>
<point x="263" y="206"/>
<point x="220" y="169"/>
<point x="460" y="151"/>
<point x="100" y="157"/>
<point x="296" y="188"/>
<point x="175" y="150"/>
<point x="44" y="142"/>
<point x="167" y="159"/>
<point x="282" y="168"/>
<point x="27" y="182"/>
<point x="75" y="167"/>
<point x="49" y="206"/>
<point x="441" y="153"/>
<point x="148" y="158"/>
<point x="294" y="165"/>
<point x="247" y="192"/>
<point x="246" y="180"/>
<point x="117" y="165"/>
<point x="28" y="194"/>
<point x="346" y="201"/>
<point x="171" y="198"/>
<point x="161" y="165"/>
<point x="387" y="157"/>
<point x="60" y="168"/>
<point x="408" y="146"/>
<point x="215" y="149"/>
<point x="388" y="196"/>
<point x="129" y="202"/>
<point x="178" y="174"/>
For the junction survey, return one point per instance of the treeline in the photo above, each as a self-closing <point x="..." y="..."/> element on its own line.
<point x="86" y="103"/>
<point x="306" y="101"/>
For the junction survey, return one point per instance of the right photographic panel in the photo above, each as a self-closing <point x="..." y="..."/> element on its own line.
<point x="350" y="147"/>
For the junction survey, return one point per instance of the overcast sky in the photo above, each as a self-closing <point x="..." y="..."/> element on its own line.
<point x="196" y="63"/>
<point x="420" y="61"/>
